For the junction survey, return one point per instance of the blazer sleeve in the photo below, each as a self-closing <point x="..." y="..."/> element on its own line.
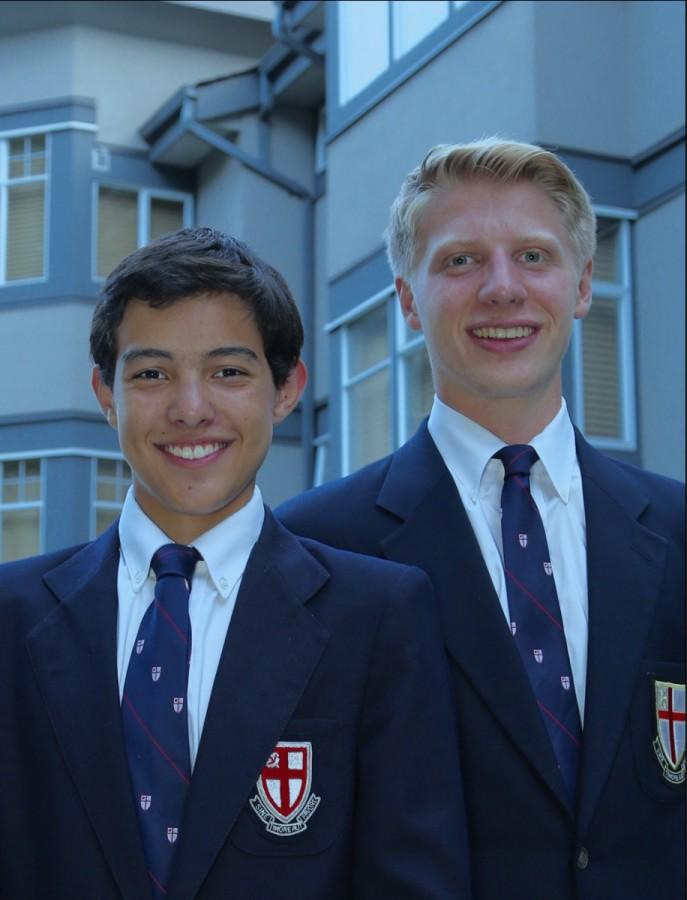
<point x="410" y="833"/>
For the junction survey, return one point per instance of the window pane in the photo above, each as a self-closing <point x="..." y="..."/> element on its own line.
<point x="106" y="490"/>
<point x="107" y="468"/>
<point x="600" y="347"/>
<point x="419" y="389"/>
<point x="32" y="468"/>
<point x="32" y="490"/>
<point x="413" y="20"/>
<point x="117" y="227"/>
<point x="25" y="211"/>
<point x="37" y="164"/>
<point x="369" y="419"/>
<point x="17" y="167"/>
<point x="165" y="216"/>
<point x="38" y="143"/>
<point x="10" y="491"/>
<point x="17" y="146"/>
<point x="104" y="518"/>
<point x="363" y="44"/>
<point x="368" y="341"/>
<point x="20" y="533"/>
<point x="10" y="470"/>
<point x="606" y="257"/>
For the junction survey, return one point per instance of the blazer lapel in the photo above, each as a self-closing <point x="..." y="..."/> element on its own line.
<point x="73" y="652"/>
<point x="437" y="536"/>
<point x="272" y="647"/>
<point x="625" y="564"/>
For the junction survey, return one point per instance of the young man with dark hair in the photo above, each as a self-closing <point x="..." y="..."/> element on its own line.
<point x="559" y="571"/>
<point x="198" y="703"/>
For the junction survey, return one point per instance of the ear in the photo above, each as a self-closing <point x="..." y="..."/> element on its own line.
<point x="408" y="305"/>
<point x="289" y="393"/>
<point x="584" y="291"/>
<point x="103" y="395"/>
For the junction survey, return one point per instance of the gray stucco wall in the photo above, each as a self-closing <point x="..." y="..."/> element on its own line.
<point x="660" y="318"/>
<point x="129" y="76"/>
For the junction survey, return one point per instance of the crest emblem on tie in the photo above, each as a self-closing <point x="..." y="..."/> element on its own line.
<point x="155" y="673"/>
<point x="284" y="802"/>
<point x="669" y="743"/>
<point x="178" y="704"/>
<point x="172" y="833"/>
<point x="139" y="646"/>
<point x="523" y="540"/>
<point x="513" y="628"/>
<point x="145" y="801"/>
<point x="565" y="681"/>
<point x="548" y="568"/>
<point x="538" y="655"/>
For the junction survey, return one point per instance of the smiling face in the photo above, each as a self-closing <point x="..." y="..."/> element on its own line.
<point x="495" y="288"/>
<point x="194" y="404"/>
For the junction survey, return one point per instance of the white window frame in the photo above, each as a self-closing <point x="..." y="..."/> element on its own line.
<point x="622" y="293"/>
<point x="400" y="348"/>
<point x="109" y="505"/>
<point x="5" y="183"/>
<point x="144" y="197"/>
<point x="11" y="506"/>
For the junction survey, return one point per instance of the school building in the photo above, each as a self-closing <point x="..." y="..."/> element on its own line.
<point x="291" y="126"/>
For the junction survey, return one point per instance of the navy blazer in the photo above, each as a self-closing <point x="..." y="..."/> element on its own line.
<point x="626" y="837"/>
<point x="323" y="647"/>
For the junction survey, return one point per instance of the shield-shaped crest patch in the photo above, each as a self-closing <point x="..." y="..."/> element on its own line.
<point x="284" y="802"/>
<point x="669" y="742"/>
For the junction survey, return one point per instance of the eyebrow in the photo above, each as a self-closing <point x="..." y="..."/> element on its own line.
<point x="136" y="353"/>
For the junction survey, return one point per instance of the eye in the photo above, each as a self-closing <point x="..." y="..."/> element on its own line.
<point x="533" y="256"/>
<point x="460" y="260"/>
<point x="149" y="375"/>
<point x="229" y="372"/>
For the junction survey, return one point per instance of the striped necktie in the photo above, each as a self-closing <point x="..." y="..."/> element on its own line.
<point x="535" y="615"/>
<point x="154" y="711"/>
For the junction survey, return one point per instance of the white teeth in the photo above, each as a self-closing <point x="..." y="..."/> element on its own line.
<point x="198" y="451"/>
<point x="519" y="331"/>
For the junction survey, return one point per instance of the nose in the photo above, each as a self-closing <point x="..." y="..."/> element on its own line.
<point x="191" y="404"/>
<point x="502" y="282"/>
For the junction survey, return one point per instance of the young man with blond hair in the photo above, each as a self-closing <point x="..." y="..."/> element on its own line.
<point x="559" y="571"/>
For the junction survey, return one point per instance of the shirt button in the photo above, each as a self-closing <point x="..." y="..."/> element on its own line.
<point x="138" y="577"/>
<point x="223" y="583"/>
<point x="583" y="858"/>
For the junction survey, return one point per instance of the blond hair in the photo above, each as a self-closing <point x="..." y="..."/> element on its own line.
<point x="446" y="165"/>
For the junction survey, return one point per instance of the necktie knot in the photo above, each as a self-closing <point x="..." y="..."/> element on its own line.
<point x="175" y="559"/>
<point x="517" y="459"/>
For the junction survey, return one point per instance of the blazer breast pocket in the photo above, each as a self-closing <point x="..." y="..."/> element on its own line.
<point x="303" y="796"/>
<point x="658" y="730"/>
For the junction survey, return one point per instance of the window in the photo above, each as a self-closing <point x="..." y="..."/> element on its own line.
<point x="21" y="505"/>
<point x="128" y="219"/>
<point x="377" y="37"/>
<point x="111" y="480"/>
<point x="387" y="381"/>
<point x="603" y="346"/>
<point x="23" y="184"/>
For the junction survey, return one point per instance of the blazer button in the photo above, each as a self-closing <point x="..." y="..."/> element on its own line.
<point x="583" y="858"/>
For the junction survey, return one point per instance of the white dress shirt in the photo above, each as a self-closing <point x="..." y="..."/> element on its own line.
<point x="225" y="550"/>
<point x="556" y="485"/>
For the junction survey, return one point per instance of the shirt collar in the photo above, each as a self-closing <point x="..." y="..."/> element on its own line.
<point x="467" y="448"/>
<point x="225" y="548"/>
